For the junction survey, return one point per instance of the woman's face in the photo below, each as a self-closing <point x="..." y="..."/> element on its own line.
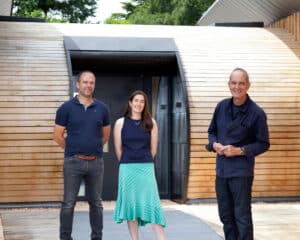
<point x="137" y="104"/>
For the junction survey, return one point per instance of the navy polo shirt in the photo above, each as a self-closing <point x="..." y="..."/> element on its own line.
<point x="245" y="126"/>
<point x="83" y="126"/>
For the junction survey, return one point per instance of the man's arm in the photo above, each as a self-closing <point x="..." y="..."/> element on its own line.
<point x="213" y="145"/>
<point x="262" y="143"/>
<point x="59" y="135"/>
<point x="105" y="134"/>
<point x="212" y="134"/>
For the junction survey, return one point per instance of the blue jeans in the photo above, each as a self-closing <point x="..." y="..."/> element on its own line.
<point x="76" y="169"/>
<point x="234" y="203"/>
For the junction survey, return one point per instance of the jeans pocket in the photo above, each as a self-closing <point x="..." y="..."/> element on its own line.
<point x="71" y="162"/>
<point x="99" y="164"/>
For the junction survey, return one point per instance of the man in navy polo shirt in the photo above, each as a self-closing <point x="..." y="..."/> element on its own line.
<point x="237" y="133"/>
<point x="86" y="123"/>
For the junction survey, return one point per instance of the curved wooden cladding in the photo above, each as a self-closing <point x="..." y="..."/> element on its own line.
<point x="33" y="83"/>
<point x="272" y="60"/>
<point x="290" y="23"/>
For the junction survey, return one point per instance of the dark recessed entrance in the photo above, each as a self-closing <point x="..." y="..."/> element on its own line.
<point x="157" y="73"/>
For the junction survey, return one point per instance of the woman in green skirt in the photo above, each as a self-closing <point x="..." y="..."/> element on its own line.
<point x="135" y="140"/>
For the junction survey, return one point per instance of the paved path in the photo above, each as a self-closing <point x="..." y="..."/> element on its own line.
<point x="43" y="225"/>
<point x="272" y="221"/>
<point x="1" y="230"/>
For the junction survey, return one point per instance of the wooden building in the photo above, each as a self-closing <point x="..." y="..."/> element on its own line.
<point x="185" y="72"/>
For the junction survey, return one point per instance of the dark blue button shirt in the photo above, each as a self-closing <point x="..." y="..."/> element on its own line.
<point x="83" y="126"/>
<point x="243" y="127"/>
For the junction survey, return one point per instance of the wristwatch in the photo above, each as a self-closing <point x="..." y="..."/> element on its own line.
<point x="242" y="151"/>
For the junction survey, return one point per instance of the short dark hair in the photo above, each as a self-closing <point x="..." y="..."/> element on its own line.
<point x="83" y="72"/>
<point x="241" y="70"/>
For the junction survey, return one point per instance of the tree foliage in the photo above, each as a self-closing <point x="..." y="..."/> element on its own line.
<point x="73" y="11"/>
<point x="166" y="12"/>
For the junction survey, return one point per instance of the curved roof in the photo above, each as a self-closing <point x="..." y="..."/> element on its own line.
<point x="266" y="11"/>
<point x="5" y="7"/>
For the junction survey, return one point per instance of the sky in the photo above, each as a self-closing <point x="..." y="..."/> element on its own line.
<point x="107" y="7"/>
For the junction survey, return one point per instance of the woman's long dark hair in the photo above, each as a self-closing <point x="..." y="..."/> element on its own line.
<point x="146" y="120"/>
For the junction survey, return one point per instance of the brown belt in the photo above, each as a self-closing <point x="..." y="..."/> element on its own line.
<point x="84" y="157"/>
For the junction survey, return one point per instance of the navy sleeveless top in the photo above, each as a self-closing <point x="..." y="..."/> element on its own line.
<point x="136" y="142"/>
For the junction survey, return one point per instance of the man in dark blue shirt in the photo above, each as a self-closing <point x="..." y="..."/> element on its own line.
<point x="86" y="122"/>
<point x="237" y="133"/>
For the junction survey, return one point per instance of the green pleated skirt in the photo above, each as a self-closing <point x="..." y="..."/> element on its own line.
<point x="138" y="197"/>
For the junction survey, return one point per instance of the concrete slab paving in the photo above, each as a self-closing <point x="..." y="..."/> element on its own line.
<point x="272" y="221"/>
<point x="43" y="225"/>
<point x="179" y="226"/>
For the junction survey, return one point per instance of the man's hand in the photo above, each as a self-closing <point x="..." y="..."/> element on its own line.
<point x="231" y="151"/>
<point x="219" y="148"/>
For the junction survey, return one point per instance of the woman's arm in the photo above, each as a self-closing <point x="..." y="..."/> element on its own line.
<point x="154" y="138"/>
<point x="117" y="137"/>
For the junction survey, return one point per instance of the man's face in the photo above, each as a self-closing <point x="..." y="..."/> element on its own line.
<point x="86" y="85"/>
<point x="238" y="85"/>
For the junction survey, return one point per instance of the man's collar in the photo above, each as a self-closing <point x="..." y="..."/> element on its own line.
<point x="75" y="100"/>
<point x="244" y="106"/>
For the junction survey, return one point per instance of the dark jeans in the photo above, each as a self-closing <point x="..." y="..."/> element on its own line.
<point x="234" y="203"/>
<point x="75" y="170"/>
